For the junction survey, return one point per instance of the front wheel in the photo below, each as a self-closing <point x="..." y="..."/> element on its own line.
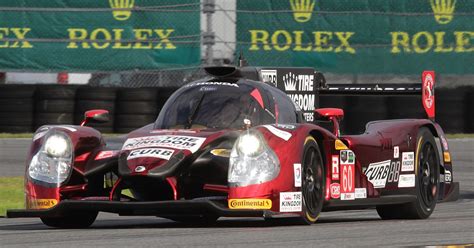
<point x="71" y="220"/>
<point x="313" y="181"/>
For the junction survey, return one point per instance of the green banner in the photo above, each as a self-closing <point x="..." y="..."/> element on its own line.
<point x="99" y="35"/>
<point x="359" y="36"/>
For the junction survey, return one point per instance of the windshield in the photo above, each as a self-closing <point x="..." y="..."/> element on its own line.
<point x="213" y="106"/>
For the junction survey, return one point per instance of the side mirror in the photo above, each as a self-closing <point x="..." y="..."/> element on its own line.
<point x="95" y="115"/>
<point x="335" y="115"/>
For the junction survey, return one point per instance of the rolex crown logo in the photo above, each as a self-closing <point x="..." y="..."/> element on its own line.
<point x="123" y="7"/>
<point x="302" y="9"/>
<point x="290" y="80"/>
<point x="443" y="10"/>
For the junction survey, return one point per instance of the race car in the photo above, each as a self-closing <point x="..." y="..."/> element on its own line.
<point x="243" y="142"/>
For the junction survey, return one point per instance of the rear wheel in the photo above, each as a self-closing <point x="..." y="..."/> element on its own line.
<point x="313" y="181"/>
<point x="72" y="220"/>
<point x="426" y="182"/>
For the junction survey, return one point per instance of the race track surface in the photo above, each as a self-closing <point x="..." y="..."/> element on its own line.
<point x="451" y="223"/>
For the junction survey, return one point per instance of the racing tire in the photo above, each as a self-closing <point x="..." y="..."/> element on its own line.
<point x="426" y="182"/>
<point x="313" y="181"/>
<point x="76" y="220"/>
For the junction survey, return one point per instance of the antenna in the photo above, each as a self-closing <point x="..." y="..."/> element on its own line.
<point x="242" y="61"/>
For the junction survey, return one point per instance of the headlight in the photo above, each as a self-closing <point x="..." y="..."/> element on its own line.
<point x="252" y="161"/>
<point x="53" y="162"/>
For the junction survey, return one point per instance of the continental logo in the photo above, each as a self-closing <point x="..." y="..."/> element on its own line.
<point x="122" y="9"/>
<point x="43" y="203"/>
<point x="250" y="204"/>
<point x="443" y="10"/>
<point x="302" y="9"/>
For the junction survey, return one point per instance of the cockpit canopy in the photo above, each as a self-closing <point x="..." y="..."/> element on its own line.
<point x="228" y="104"/>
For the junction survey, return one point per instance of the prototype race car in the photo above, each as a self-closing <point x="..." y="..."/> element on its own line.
<point x="243" y="143"/>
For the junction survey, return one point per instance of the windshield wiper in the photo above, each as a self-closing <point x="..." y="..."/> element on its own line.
<point x="193" y="114"/>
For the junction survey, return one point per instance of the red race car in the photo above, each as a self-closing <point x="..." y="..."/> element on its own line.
<point x="243" y="143"/>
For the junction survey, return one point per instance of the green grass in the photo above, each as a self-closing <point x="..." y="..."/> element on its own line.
<point x="11" y="194"/>
<point x="459" y="135"/>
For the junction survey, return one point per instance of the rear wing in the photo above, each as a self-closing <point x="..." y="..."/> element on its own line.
<point x="304" y="86"/>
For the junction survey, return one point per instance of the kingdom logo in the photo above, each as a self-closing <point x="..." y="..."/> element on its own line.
<point x="443" y="10"/>
<point x="122" y="9"/>
<point x="302" y="9"/>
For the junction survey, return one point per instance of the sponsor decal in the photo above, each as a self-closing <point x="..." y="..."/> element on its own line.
<point x="335" y="190"/>
<point x="335" y="167"/>
<point x="279" y="133"/>
<point x="406" y="181"/>
<point x="297" y="174"/>
<point x="394" y="172"/>
<point x="360" y="193"/>
<point x="270" y="76"/>
<point x="428" y="93"/>
<point x="140" y="168"/>
<point x="443" y="10"/>
<point x="285" y="126"/>
<point x="168" y="141"/>
<point x="250" y="203"/>
<point x="123" y="7"/>
<point x="347" y="168"/>
<point x="151" y="153"/>
<point x="339" y="145"/>
<point x="408" y="161"/>
<point x="44" y="203"/>
<point x="213" y="84"/>
<point x="396" y="152"/>
<point x="447" y="176"/>
<point x="290" y="201"/>
<point x="377" y="173"/>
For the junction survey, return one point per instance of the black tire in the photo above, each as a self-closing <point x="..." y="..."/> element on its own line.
<point x="17" y="91"/>
<point x="13" y="119"/>
<point x="73" y="220"/>
<point x="137" y="107"/>
<point x="313" y="182"/>
<point x="450" y="112"/>
<point x="54" y="106"/>
<point x="53" y="119"/>
<point x="405" y="107"/>
<point x="56" y="92"/>
<point x="363" y="109"/>
<point x="16" y="129"/>
<point x="426" y="183"/>
<point x="137" y="94"/>
<point x="96" y="93"/>
<point x="133" y="121"/>
<point x="16" y="105"/>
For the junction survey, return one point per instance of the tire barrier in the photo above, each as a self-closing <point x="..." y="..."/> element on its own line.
<point x="88" y="98"/>
<point x="451" y="111"/>
<point x="136" y="107"/>
<point x="54" y="105"/>
<point x="16" y="108"/>
<point x="23" y="108"/>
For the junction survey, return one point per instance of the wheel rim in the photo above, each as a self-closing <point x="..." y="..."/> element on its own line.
<point x="312" y="181"/>
<point x="427" y="177"/>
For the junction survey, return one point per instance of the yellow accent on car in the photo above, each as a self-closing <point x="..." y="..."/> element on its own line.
<point x="447" y="157"/>
<point x="250" y="203"/>
<point x="43" y="203"/>
<point x="340" y="145"/>
<point x="221" y="152"/>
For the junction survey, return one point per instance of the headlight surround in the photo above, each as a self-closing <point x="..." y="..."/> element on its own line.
<point x="252" y="161"/>
<point x="53" y="162"/>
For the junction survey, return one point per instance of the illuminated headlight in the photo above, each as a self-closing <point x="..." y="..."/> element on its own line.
<point x="252" y="161"/>
<point x="53" y="162"/>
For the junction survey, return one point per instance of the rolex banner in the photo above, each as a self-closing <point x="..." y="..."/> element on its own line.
<point x="99" y="35"/>
<point x="359" y="36"/>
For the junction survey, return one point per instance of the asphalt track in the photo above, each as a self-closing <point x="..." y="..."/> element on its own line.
<point x="451" y="223"/>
